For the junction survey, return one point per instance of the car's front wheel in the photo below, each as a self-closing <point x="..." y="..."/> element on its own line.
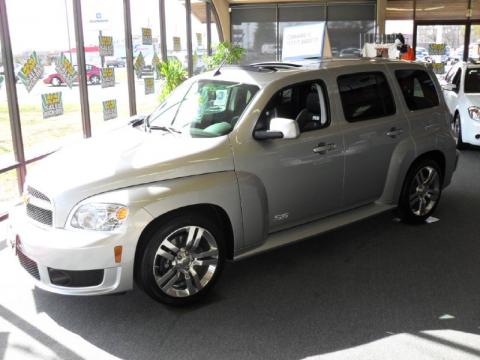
<point x="182" y="259"/>
<point x="421" y="191"/>
<point x="457" y="130"/>
<point x="56" y="81"/>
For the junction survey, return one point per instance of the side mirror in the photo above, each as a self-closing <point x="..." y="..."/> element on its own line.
<point x="280" y="128"/>
<point x="449" y="87"/>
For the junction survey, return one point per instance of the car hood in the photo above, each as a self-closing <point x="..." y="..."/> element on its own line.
<point x="473" y="99"/>
<point x="122" y="158"/>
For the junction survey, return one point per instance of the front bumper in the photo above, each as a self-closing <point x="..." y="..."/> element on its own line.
<point x="470" y="131"/>
<point x="50" y="251"/>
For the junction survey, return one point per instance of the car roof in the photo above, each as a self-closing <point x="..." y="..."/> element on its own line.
<point x="262" y="74"/>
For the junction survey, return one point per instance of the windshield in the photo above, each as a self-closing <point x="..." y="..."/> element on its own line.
<point x="203" y="108"/>
<point x="472" y="80"/>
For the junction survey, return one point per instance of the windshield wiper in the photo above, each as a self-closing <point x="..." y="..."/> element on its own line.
<point x="171" y="130"/>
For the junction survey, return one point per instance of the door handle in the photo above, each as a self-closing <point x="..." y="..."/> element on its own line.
<point x="323" y="148"/>
<point x="394" y="132"/>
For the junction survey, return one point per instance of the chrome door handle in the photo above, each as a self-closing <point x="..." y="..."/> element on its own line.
<point x="394" y="132"/>
<point x="323" y="148"/>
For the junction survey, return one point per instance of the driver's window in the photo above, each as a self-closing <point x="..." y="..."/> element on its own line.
<point x="305" y="103"/>
<point x="456" y="80"/>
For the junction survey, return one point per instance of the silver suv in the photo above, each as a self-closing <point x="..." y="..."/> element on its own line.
<point x="235" y="162"/>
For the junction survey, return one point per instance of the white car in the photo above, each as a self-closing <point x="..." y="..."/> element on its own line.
<point x="462" y="95"/>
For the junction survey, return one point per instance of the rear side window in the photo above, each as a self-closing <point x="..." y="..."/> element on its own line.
<point x="418" y="89"/>
<point x="365" y="96"/>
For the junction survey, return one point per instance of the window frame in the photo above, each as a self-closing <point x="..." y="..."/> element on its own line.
<point x="326" y="98"/>
<point x="360" y="73"/>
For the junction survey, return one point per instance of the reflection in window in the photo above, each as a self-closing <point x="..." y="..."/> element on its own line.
<point x="8" y="189"/>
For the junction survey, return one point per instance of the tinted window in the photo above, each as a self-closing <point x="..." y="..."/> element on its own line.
<point x="418" y="89"/>
<point x="365" y="96"/>
<point x="472" y="81"/>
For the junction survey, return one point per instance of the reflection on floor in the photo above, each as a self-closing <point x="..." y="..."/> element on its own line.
<point x="378" y="289"/>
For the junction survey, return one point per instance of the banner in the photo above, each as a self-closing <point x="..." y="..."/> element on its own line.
<point x="177" y="44"/>
<point x="438" y="68"/>
<point x="108" y="77"/>
<point x="155" y="62"/>
<point x="105" y="45"/>
<point x="139" y="65"/>
<point x="31" y="71"/>
<point x="65" y="68"/>
<point x="304" y="41"/>
<point x="109" y="109"/>
<point x="52" y="105"/>
<point x="437" y="49"/>
<point x="199" y="39"/>
<point x="149" y="85"/>
<point x="146" y="36"/>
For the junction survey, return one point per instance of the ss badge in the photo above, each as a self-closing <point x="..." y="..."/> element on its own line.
<point x="281" y="217"/>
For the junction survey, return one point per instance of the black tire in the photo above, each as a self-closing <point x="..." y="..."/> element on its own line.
<point x="95" y="80"/>
<point x="457" y="123"/>
<point x="407" y="203"/>
<point x="146" y="274"/>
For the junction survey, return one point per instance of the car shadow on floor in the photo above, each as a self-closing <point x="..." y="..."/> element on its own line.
<point x="343" y="289"/>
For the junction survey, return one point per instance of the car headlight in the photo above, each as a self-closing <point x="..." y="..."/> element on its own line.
<point x="474" y="112"/>
<point x="102" y="217"/>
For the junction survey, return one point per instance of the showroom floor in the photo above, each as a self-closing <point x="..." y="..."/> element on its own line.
<point x="378" y="289"/>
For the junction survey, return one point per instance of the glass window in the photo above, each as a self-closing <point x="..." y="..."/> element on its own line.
<point x="347" y="26"/>
<point x="6" y="145"/>
<point x="441" y="10"/>
<point x="203" y="108"/>
<point x="145" y="17"/>
<point x="474" y="46"/>
<point x="365" y="96"/>
<point x="199" y="35"/>
<point x="472" y="80"/>
<point x="176" y="31"/>
<point x="215" y="27"/>
<point x="295" y="15"/>
<point x="418" y="89"/>
<point x="306" y="103"/>
<point x="37" y="42"/>
<point x="105" y="18"/>
<point x="255" y="29"/>
<point x="8" y="190"/>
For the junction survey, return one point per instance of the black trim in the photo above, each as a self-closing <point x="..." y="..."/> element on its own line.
<point x="70" y="278"/>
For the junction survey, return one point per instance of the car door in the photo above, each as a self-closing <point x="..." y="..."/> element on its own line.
<point x="300" y="179"/>
<point x="451" y="95"/>
<point x="374" y="128"/>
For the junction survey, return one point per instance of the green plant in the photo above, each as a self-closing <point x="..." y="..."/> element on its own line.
<point x="224" y="51"/>
<point x="174" y="73"/>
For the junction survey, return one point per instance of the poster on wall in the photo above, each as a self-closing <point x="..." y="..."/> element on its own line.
<point x="438" y="68"/>
<point x="139" y="65"/>
<point x="177" y="44"/>
<point x="108" y="77"/>
<point x="105" y="45"/>
<point x="149" y="85"/>
<point x="437" y="49"/>
<point x="52" y="104"/>
<point x="31" y="71"/>
<point x="199" y="39"/>
<point x="305" y="41"/>
<point x="64" y="67"/>
<point x="109" y="109"/>
<point x="146" y="36"/>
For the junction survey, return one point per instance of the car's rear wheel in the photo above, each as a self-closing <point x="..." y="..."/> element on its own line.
<point x="457" y="130"/>
<point x="56" y="81"/>
<point x="95" y="80"/>
<point x="182" y="259"/>
<point x="421" y="191"/>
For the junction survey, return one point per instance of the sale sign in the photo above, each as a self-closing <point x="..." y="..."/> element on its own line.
<point x="65" y="68"/>
<point x="52" y="105"/>
<point x="31" y="71"/>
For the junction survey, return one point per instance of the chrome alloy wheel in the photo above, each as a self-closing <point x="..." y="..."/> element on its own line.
<point x="185" y="261"/>
<point x="424" y="191"/>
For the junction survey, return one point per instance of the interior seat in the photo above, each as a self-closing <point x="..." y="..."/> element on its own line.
<point x="310" y="118"/>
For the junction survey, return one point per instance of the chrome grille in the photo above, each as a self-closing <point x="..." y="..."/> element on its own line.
<point x="39" y="207"/>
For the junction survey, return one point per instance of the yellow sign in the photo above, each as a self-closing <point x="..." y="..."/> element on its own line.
<point x="177" y="44"/>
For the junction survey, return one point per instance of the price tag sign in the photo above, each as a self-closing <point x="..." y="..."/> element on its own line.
<point x="139" y="65"/>
<point x="108" y="77"/>
<point x="31" y="71"/>
<point x="149" y="85"/>
<point x="105" y="45"/>
<point x="438" y="68"/>
<point x="52" y="105"/>
<point x="146" y="36"/>
<point x="65" y="68"/>
<point x="109" y="109"/>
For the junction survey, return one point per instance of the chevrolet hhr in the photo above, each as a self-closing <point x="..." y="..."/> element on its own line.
<point x="233" y="163"/>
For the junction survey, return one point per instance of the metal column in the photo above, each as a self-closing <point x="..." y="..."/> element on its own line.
<point x="163" y="31"/>
<point x="208" y="7"/>
<point x="188" y="10"/>
<point x="82" y="71"/>
<point x="12" y="98"/>
<point x="129" y="53"/>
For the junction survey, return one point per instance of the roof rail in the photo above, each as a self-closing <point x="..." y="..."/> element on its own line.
<point x="274" y="65"/>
